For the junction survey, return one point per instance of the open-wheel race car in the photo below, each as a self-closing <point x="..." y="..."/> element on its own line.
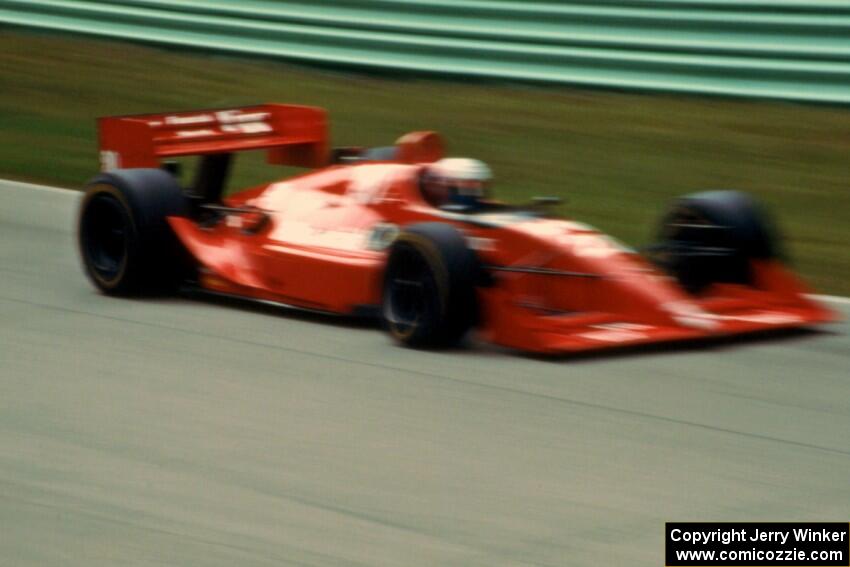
<point x="414" y="238"/>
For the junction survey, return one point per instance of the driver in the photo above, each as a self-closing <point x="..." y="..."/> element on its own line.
<point x="456" y="181"/>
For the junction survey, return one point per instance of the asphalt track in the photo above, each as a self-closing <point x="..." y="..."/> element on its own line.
<point x="183" y="432"/>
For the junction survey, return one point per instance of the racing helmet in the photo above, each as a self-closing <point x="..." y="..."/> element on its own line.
<point x="456" y="181"/>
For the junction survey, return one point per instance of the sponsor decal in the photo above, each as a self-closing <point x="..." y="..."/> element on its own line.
<point x="194" y="133"/>
<point x="234" y="121"/>
<point x="691" y="315"/>
<point x="765" y="317"/>
<point x="481" y="244"/>
<point x="109" y="160"/>
<point x="239" y="117"/>
<point x="247" y="128"/>
<point x="382" y="236"/>
<point x="191" y="120"/>
<point x="617" y="332"/>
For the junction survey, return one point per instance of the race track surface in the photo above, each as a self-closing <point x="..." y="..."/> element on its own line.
<point x="185" y="432"/>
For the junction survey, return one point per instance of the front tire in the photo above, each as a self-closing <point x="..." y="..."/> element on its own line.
<point x="429" y="287"/>
<point x="712" y="237"/>
<point x="125" y="241"/>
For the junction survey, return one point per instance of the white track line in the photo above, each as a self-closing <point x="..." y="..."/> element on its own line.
<point x="21" y="184"/>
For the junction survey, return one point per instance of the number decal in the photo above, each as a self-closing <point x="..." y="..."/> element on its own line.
<point x="109" y="160"/>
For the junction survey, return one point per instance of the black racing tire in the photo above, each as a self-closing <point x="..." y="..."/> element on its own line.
<point x="712" y="237"/>
<point x="429" y="298"/>
<point x="125" y="241"/>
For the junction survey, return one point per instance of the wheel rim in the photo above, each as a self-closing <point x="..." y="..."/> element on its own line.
<point x="407" y="293"/>
<point x="105" y="237"/>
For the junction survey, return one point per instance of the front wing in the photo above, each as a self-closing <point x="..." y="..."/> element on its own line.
<point x="777" y="301"/>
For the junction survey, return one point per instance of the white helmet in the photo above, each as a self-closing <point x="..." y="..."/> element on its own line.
<point x="466" y="169"/>
<point x="460" y="181"/>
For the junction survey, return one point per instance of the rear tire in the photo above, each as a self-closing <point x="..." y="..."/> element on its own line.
<point x="126" y="244"/>
<point x="712" y="237"/>
<point x="429" y="287"/>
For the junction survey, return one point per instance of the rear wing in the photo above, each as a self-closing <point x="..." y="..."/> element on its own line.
<point x="293" y="135"/>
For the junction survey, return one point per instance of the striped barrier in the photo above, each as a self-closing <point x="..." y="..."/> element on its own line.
<point x="787" y="49"/>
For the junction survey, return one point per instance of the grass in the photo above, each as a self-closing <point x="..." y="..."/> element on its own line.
<point x="615" y="158"/>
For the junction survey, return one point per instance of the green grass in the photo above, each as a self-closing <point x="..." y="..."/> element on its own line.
<point x="616" y="159"/>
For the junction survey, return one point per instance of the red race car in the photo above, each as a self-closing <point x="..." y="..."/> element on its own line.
<point x="414" y="237"/>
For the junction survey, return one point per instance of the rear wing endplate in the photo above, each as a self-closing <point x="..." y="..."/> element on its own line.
<point x="293" y="135"/>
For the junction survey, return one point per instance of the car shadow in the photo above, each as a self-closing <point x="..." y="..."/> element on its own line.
<point x="369" y="319"/>
<point x="358" y="320"/>
<point x="718" y="344"/>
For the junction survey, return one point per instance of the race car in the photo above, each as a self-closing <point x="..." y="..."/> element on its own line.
<point x="412" y="237"/>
